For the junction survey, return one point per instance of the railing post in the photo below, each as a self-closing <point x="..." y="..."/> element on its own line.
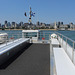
<point x="58" y="37"/>
<point x="31" y="35"/>
<point x="13" y="37"/>
<point x="19" y="34"/>
<point x="62" y="40"/>
<point x="49" y="37"/>
<point x="17" y="37"/>
<point x="6" y="40"/>
<point x="66" y="44"/>
<point x="51" y="69"/>
<point x="73" y="53"/>
<point x="44" y="35"/>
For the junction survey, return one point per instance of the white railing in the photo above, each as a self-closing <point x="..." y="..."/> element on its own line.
<point x="68" y="45"/>
<point x="63" y="40"/>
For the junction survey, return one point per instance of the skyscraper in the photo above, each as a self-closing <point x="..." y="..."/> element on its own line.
<point x="9" y="25"/>
<point x="12" y="24"/>
<point x="38" y="23"/>
<point x="55" y="26"/>
<point x="6" y="24"/>
<point x="61" y="23"/>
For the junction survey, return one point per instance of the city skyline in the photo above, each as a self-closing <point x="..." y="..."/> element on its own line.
<point x="39" y="25"/>
<point x="46" y="11"/>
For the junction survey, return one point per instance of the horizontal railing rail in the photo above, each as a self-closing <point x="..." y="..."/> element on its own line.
<point x="69" y="48"/>
<point x="65" y="36"/>
<point x="68" y="45"/>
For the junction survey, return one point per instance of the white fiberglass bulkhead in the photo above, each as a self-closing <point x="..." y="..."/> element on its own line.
<point x="53" y="36"/>
<point x="3" y="37"/>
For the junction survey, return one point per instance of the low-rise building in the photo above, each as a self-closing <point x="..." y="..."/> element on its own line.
<point x="63" y="27"/>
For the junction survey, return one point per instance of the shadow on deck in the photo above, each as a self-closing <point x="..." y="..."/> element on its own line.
<point x="33" y="60"/>
<point x="12" y="59"/>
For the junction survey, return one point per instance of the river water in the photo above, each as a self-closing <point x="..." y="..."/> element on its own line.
<point x="70" y="34"/>
<point x="18" y="34"/>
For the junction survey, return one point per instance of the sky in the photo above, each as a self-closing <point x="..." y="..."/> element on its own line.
<point x="46" y="11"/>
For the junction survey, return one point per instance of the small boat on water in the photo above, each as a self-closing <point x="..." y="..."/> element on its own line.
<point x="3" y="37"/>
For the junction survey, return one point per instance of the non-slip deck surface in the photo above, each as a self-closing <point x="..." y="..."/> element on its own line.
<point x="35" y="60"/>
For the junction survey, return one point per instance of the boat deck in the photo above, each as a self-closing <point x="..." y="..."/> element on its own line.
<point x="33" y="60"/>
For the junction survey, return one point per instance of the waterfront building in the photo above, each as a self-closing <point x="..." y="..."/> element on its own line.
<point x="38" y="23"/>
<point x="6" y="24"/>
<point x="26" y="25"/>
<point x="3" y="26"/>
<point x="47" y="26"/>
<point x="9" y="25"/>
<point x="63" y="27"/>
<point x="71" y="26"/>
<point x="43" y="24"/>
<point x="0" y="25"/>
<point x="55" y="26"/>
<point x="13" y="25"/>
<point x="58" y="23"/>
<point x="21" y="24"/>
<point x="61" y="23"/>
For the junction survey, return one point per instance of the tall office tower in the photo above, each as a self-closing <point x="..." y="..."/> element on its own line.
<point x="71" y="25"/>
<point x="6" y="24"/>
<point x="61" y="23"/>
<point x="9" y="25"/>
<point x="38" y="23"/>
<point x="58" y="23"/>
<point x="0" y="25"/>
<point x="13" y="25"/>
<point x="21" y="23"/>
<point x="41" y="23"/>
<point x="55" y="26"/>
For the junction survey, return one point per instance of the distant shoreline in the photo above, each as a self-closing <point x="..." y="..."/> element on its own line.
<point x="12" y="29"/>
<point x="48" y="29"/>
<point x="24" y="29"/>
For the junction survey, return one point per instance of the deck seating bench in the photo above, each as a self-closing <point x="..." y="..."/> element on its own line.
<point x="55" y="43"/>
<point x="63" y="63"/>
<point x="9" y="50"/>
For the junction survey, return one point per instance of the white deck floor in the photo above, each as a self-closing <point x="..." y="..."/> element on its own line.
<point x="54" y="42"/>
<point x="42" y="41"/>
